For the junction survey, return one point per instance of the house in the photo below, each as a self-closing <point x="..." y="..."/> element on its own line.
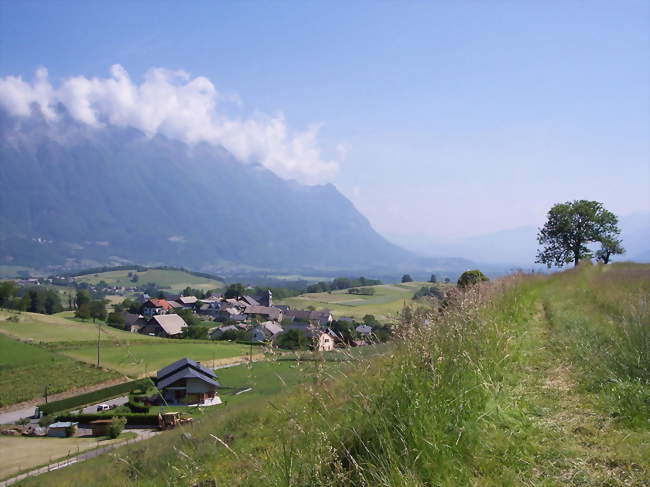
<point x="168" y="326"/>
<point x="156" y="307"/>
<point x="210" y="307"/>
<point x="322" y="318"/>
<point x="188" y="382"/>
<point x="265" y="332"/>
<point x="217" y="332"/>
<point x="364" y="330"/>
<point x="324" y="342"/>
<point x="266" y="299"/>
<point x="321" y="340"/>
<point x="187" y="302"/>
<point x="227" y="312"/>
<point x="133" y="322"/>
<point x="250" y="301"/>
<point x="62" y="429"/>
<point x="263" y="312"/>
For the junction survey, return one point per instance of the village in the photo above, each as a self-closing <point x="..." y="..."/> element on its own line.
<point x="246" y="318"/>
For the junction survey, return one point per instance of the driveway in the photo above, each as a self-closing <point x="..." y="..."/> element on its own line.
<point x="118" y="401"/>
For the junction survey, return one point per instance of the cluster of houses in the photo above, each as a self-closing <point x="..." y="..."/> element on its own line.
<point x="257" y="317"/>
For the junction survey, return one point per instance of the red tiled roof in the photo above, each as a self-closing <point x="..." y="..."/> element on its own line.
<point x="161" y="303"/>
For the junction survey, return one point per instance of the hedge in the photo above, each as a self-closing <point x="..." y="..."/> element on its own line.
<point x="131" y="418"/>
<point x="91" y="397"/>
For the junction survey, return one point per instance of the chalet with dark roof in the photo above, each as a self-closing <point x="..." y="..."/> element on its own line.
<point x="188" y="382"/>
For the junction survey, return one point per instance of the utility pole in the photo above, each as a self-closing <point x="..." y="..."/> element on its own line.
<point x="98" y="338"/>
<point x="46" y="386"/>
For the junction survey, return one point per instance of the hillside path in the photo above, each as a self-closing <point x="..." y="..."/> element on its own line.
<point x="580" y="445"/>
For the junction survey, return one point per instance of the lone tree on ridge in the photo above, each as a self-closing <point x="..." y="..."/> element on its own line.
<point x="571" y="226"/>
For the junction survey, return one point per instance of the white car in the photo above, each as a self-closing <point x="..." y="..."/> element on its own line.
<point x="103" y="407"/>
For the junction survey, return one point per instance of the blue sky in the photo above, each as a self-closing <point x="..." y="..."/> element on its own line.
<point x="456" y="118"/>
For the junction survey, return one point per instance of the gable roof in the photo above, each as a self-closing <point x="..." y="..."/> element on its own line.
<point x="172" y="324"/>
<point x="250" y="301"/>
<point x="187" y="300"/>
<point x="158" y="303"/>
<point x="263" y="310"/>
<point x="183" y="363"/>
<point x="272" y="327"/>
<point x="186" y="373"/>
<point x="130" y="318"/>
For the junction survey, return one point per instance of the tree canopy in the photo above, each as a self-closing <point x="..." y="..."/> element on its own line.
<point x="571" y="226"/>
<point x="469" y="278"/>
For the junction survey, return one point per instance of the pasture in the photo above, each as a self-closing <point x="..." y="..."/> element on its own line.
<point x="137" y="359"/>
<point x="26" y="369"/>
<point x="38" y="328"/>
<point x="387" y="301"/>
<point x="173" y="280"/>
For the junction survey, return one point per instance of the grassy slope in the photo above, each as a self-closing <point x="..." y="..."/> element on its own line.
<point x="173" y="280"/>
<point x="44" y="328"/>
<point x="546" y="384"/>
<point x="137" y="359"/>
<point x="26" y="369"/>
<point x="387" y="301"/>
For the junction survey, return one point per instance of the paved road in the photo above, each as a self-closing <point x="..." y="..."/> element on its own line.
<point x="11" y="417"/>
<point x="142" y="435"/>
<point x="118" y="401"/>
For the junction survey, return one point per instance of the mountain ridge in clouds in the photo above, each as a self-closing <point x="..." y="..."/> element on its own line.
<point x="112" y="195"/>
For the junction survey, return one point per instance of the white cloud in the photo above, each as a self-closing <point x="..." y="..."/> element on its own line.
<point x="174" y="104"/>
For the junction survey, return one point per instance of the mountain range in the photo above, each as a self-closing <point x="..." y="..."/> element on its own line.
<point x="78" y="197"/>
<point x="518" y="246"/>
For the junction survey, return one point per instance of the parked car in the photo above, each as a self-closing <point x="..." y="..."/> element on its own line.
<point x="103" y="407"/>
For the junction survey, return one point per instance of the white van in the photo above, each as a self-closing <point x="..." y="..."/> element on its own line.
<point x="103" y="407"/>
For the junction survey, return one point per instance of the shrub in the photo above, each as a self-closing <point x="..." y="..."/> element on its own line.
<point x="116" y="426"/>
<point x="469" y="278"/>
<point x="71" y="430"/>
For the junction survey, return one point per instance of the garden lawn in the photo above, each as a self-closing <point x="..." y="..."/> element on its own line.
<point x="26" y="369"/>
<point x="136" y="360"/>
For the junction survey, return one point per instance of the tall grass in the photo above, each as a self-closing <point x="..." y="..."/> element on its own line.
<point x="602" y="316"/>
<point x="461" y="398"/>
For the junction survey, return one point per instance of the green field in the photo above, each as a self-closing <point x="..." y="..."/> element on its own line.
<point x="387" y="301"/>
<point x="26" y="369"/>
<point x="173" y="280"/>
<point x="38" y="328"/>
<point x="135" y="360"/>
<point x="540" y="380"/>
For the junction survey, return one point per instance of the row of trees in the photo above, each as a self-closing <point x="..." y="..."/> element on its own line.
<point x="33" y="299"/>
<point x="341" y="283"/>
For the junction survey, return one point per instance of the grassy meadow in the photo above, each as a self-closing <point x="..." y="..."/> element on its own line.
<point x="136" y="359"/>
<point x="39" y="349"/>
<point x="38" y="328"/>
<point x="530" y="380"/>
<point x="26" y="369"/>
<point x="173" y="280"/>
<point x="385" y="304"/>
